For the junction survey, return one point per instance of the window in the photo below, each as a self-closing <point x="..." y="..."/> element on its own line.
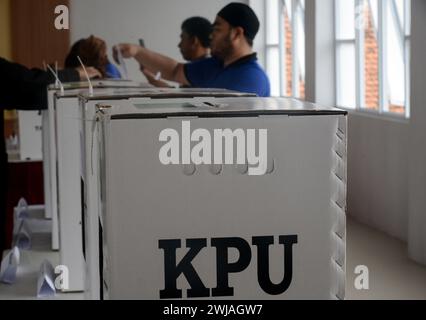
<point x="372" y="55"/>
<point x="285" y="46"/>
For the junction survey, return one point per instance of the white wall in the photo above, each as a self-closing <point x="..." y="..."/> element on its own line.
<point x="417" y="150"/>
<point x="156" y="21"/>
<point x="378" y="156"/>
<point x="378" y="152"/>
<point x="387" y="159"/>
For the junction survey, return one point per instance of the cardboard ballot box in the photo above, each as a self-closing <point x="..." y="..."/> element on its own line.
<point x="91" y="187"/>
<point x="49" y="142"/>
<point x="62" y="170"/>
<point x="240" y="198"/>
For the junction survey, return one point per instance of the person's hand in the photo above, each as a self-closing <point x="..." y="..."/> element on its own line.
<point x="152" y="79"/>
<point x="127" y="51"/>
<point x="148" y="74"/>
<point x="91" y="72"/>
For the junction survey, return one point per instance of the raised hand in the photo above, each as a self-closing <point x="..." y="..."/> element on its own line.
<point x="127" y="50"/>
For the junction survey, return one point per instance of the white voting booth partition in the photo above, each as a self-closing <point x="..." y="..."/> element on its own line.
<point x="92" y="221"/>
<point x="62" y="171"/>
<point x="220" y="231"/>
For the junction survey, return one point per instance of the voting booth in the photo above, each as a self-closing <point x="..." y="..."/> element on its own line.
<point x="176" y="226"/>
<point x="62" y="170"/>
<point x="90" y="180"/>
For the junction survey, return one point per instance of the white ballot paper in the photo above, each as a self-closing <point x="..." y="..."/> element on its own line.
<point x="9" y="266"/>
<point x="23" y="236"/>
<point x="21" y="210"/>
<point x="34" y="218"/>
<point x="122" y="64"/>
<point x="45" y="281"/>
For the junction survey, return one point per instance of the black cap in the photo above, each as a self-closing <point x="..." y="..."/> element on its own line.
<point x="241" y="15"/>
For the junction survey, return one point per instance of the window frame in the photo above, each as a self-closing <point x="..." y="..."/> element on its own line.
<point x="296" y="5"/>
<point x="383" y="108"/>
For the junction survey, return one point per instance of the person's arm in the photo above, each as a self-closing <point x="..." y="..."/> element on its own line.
<point x="152" y="80"/>
<point x="23" y="88"/>
<point x="169" y="68"/>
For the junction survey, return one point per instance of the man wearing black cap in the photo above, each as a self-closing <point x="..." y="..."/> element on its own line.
<point x="233" y="64"/>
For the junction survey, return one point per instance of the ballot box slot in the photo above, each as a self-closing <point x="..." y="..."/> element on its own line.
<point x="222" y="114"/>
<point x="155" y="95"/>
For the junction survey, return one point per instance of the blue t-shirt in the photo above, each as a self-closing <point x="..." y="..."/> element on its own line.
<point x="112" y="71"/>
<point x="244" y="75"/>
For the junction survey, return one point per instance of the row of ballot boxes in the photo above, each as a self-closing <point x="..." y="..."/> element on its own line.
<point x="65" y="124"/>
<point x="62" y="168"/>
<point x="189" y="193"/>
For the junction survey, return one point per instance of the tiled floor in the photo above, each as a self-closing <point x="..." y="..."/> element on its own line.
<point x="391" y="274"/>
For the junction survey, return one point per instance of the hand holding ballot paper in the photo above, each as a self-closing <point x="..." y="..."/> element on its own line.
<point x="161" y="67"/>
<point x="125" y="51"/>
<point x="119" y="59"/>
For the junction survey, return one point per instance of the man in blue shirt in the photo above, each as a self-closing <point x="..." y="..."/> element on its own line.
<point x="233" y="64"/>
<point x="194" y="45"/>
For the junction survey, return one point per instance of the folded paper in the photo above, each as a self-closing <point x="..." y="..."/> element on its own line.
<point x="23" y="236"/>
<point x="9" y="266"/>
<point x="45" y="282"/>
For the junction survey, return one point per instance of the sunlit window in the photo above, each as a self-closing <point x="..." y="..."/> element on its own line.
<point x="372" y="55"/>
<point x="285" y="47"/>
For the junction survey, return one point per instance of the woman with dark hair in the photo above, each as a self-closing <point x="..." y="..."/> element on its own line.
<point x="71" y="59"/>
<point x="93" y="53"/>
